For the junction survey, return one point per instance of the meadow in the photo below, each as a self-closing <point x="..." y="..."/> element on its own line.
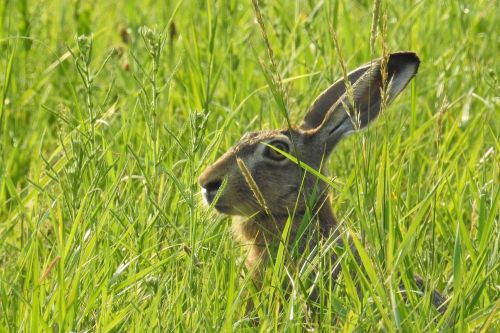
<point x="110" y="110"/>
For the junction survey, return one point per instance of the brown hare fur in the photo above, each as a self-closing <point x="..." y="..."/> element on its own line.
<point x="263" y="189"/>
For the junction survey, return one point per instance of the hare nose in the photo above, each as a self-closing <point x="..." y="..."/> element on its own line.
<point x="212" y="186"/>
<point x="210" y="189"/>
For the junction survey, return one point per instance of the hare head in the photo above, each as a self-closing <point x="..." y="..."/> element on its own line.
<point x="259" y="179"/>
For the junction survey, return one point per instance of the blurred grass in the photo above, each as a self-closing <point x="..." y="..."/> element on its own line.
<point x="101" y="226"/>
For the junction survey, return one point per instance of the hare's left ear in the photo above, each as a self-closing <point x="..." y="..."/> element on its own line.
<point x="333" y="114"/>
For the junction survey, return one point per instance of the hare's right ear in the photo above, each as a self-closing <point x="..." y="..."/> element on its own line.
<point x="329" y="97"/>
<point x="337" y="112"/>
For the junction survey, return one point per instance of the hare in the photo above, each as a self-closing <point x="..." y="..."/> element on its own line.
<point x="262" y="188"/>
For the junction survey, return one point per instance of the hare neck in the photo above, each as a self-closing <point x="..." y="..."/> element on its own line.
<point x="261" y="234"/>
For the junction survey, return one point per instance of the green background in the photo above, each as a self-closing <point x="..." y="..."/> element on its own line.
<point x="102" y="140"/>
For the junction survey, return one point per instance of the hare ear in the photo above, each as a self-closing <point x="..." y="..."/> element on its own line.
<point x="328" y="98"/>
<point x="341" y="117"/>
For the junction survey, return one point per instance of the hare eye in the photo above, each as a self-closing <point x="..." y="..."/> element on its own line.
<point x="276" y="155"/>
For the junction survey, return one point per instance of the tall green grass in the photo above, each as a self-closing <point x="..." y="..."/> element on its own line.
<point x="102" y="138"/>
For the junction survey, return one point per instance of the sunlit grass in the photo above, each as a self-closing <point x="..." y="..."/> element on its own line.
<point x="102" y="140"/>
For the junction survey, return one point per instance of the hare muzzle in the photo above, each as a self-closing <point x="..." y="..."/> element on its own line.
<point x="209" y="190"/>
